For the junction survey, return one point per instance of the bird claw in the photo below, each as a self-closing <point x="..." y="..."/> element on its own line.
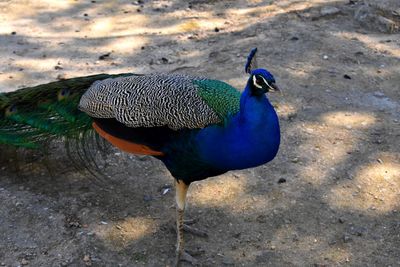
<point x="194" y="231"/>
<point x="184" y="256"/>
<point x="189" y="229"/>
<point x="190" y="221"/>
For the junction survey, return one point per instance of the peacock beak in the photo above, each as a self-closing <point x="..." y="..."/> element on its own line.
<point x="274" y="87"/>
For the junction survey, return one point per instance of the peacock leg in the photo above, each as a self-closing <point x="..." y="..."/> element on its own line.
<point x="181" y="254"/>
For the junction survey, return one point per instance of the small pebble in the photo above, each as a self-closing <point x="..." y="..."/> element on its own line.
<point x="261" y="219"/>
<point x="346" y="238"/>
<point x="329" y="10"/>
<point x="147" y="198"/>
<point x="357" y="230"/>
<point x="237" y="235"/>
<point x="325" y="57"/>
<point x="165" y="191"/>
<point x="379" y="94"/>
<point x="13" y="33"/>
<point x="295" y="238"/>
<point x="347" y="77"/>
<point x="216" y="29"/>
<point x="105" y="56"/>
<point x="227" y="261"/>
<point x="281" y="181"/>
<point x="87" y="260"/>
<point x="61" y="76"/>
<point x="294" y="38"/>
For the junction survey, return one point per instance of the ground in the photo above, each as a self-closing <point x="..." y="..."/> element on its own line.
<point x="330" y="198"/>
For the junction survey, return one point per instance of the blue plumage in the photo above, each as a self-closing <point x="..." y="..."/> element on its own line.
<point x="249" y="139"/>
<point x="251" y="61"/>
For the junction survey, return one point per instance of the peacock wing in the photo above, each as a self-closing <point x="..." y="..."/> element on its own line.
<point x="174" y="100"/>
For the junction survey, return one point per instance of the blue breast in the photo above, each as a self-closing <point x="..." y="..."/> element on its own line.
<point x="250" y="138"/>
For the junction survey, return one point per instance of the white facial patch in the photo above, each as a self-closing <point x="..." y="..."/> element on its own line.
<point x="259" y="86"/>
<point x="255" y="82"/>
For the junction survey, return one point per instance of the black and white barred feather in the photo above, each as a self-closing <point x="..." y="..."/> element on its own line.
<point x="150" y="100"/>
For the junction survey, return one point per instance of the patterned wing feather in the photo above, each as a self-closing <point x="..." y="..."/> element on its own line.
<point x="173" y="100"/>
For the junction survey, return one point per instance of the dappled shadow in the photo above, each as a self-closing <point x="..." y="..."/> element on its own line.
<point x="339" y="153"/>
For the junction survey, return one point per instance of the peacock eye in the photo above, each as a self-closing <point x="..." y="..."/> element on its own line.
<point x="259" y="80"/>
<point x="63" y="93"/>
<point x="11" y="110"/>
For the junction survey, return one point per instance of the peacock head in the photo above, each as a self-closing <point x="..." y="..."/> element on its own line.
<point x="261" y="81"/>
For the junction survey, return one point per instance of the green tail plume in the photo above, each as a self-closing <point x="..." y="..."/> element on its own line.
<point x="32" y="117"/>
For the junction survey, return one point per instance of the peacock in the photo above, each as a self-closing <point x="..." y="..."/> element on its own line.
<point x="198" y="127"/>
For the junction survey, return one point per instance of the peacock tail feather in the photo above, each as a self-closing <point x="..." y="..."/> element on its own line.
<point x="34" y="116"/>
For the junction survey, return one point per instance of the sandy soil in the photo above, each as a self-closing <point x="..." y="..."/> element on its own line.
<point x="339" y="158"/>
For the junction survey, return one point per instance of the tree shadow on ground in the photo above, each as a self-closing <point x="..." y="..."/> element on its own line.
<point x="330" y="211"/>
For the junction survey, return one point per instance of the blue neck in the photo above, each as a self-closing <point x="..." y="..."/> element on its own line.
<point x="250" y="138"/>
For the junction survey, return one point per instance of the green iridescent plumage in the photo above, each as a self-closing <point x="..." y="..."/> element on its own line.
<point x="221" y="97"/>
<point x="33" y="116"/>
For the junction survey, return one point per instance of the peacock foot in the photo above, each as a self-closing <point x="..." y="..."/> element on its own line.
<point x="194" y="231"/>
<point x="188" y="228"/>
<point x="184" y="256"/>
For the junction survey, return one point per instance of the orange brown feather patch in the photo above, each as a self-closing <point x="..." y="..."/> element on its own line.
<point x="126" y="145"/>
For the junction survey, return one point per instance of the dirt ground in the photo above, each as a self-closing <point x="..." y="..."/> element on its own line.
<point x="330" y="198"/>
